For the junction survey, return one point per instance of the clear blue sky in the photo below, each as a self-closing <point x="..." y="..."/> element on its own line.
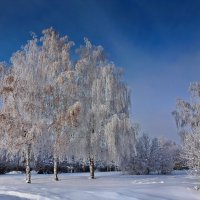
<point x="157" y="42"/>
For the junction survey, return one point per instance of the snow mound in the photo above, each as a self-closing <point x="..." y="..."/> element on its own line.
<point x="14" y="172"/>
<point x="24" y="195"/>
<point x="110" y="195"/>
<point x="147" y="181"/>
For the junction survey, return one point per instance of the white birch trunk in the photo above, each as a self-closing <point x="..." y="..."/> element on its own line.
<point x="28" y="169"/>
<point x="55" y="169"/>
<point x="91" y="168"/>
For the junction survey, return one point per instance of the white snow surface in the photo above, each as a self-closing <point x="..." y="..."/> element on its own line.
<point x="109" y="186"/>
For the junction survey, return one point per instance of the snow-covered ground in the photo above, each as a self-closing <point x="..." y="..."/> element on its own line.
<point x="106" y="186"/>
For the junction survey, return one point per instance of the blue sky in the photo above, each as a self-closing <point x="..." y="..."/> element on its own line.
<point x="155" y="41"/>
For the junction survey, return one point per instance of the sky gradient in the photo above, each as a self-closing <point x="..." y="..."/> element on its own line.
<point x="155" y="41"/>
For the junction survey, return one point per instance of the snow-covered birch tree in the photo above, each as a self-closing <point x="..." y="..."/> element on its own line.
<point x="107" y="134"/>
<point x="59" y="100"/>
<point x="187" y="116"/>
<point x="20" y="93"/>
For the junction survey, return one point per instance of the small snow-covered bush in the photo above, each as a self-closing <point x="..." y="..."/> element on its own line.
<point x="155" y="155"/>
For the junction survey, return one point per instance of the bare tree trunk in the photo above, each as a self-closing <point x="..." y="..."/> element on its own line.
<point x="55" y="169"/>
<point x="91" y="168"/>
<point x="28" y="169"/>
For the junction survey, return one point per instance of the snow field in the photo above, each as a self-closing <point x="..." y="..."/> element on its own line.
<point x="108" y="186"/>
